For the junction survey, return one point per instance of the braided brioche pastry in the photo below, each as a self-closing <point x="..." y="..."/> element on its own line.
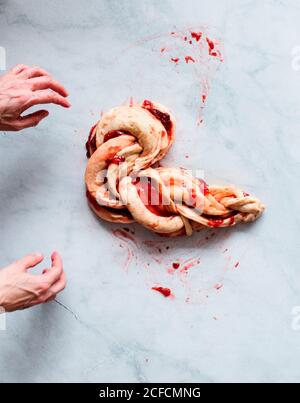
<point x="124" y="185"/>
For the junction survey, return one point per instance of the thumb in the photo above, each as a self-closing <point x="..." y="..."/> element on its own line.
<point x="29" y="261"/>
<point x="32" y="119"/>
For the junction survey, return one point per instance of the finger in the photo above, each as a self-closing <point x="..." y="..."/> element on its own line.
<point x="29" y="261"/>
<point x="56" y="260"/>
<point x="47" y="97"/>
<point x="31" y="120"/>
<point x="60" y="285"/>
<point x="51" y="298"/>
<point x="52" y="275"/>
<point x="44" y="83"/>
<point x="18" y="69"/>
<point x="35" y="71"/>
<point x="47" y="296"/>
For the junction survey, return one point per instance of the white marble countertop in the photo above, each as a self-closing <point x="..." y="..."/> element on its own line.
<point x="111" y="326"/>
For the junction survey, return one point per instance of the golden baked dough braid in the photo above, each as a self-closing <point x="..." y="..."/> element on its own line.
<point x="123" y="184"/>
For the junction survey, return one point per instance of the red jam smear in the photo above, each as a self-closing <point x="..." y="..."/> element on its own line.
<point x="204" y="187"/>
<point x="163" y="117"/>
<point x="113" y="134"/>
<point x="90" y="145"/>
<point x="189" y="59"/>
<point x="166" y="292"/>
<point x="147" y="104"/>
<point x="231" y="222"/>
<point x="217" y="222"/>
<point x="193" y="191"/>
<point x="196" y="35"/>
<point x="150" y="196"/>
<point x="211" y="48"/>
<point x="193" y="197"/>
<point x="116" y="160"/>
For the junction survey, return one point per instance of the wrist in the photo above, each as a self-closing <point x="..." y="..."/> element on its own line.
<point x="2" y="302"/>
<point x="3" y="289"/>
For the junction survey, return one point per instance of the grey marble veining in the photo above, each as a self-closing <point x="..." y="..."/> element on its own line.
<point x="110" y="325"/>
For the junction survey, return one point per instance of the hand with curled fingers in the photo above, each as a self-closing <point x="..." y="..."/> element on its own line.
<point x="20" y="289"/>
<point x="24" y="87"/>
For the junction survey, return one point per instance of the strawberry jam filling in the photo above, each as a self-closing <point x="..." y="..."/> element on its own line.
<point x="90" y="145"/>
<point x="218" y="222"/>
<point x="151" y="197"/>
<point x="193" y="192"/>
<point x="116" y="160"/>
<point x="163" y="117"/>
<point x="215" y="223"/>
<point x="113" y="134"/>
<point x="203" y="187"/>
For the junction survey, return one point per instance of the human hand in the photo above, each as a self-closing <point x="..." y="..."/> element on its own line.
<point x="23" y="87"/>
<point x="20" y="289"/>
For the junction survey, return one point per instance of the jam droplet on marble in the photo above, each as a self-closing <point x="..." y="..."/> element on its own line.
<point x="166" y="292"/>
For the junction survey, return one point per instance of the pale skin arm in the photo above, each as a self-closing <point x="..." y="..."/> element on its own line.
<point x="19" y="289"/>
<point x="20" y="89"/>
